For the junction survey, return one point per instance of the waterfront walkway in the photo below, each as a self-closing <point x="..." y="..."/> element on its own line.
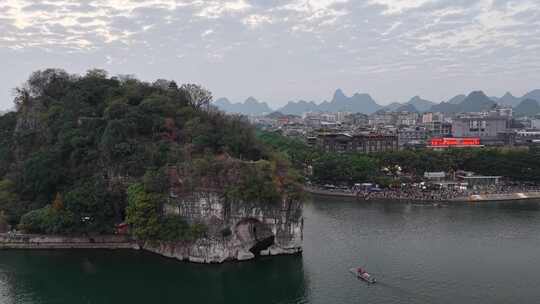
<point x="35" y="241"/>
<point x="429" y="196"/>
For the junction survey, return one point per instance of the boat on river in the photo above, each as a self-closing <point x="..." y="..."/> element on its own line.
<point x="363" y="275"/>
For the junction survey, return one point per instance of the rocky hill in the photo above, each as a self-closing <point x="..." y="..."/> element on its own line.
<point x="83" y="153"/>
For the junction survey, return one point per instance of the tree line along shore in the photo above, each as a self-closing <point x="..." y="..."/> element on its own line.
<point x="399" y="175"/>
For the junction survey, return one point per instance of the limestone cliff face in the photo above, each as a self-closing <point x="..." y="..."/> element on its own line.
<point x="236" y="230"/>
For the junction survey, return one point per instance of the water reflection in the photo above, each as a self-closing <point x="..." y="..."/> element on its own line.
<point x="420" y="254"/>
<point x="137" y="277"/>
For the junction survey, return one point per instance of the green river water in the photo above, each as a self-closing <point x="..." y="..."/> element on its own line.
<point x="484" y="253"/>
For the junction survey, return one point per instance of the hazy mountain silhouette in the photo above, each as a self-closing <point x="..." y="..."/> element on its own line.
<point x="534" y="95"/>
<point x="363" y="103"/>
<point x="527" y="107"/>
<point x="445" y="107"/>
<point x="420" y="104"/>
<point x="457" y="99"/>
<point x="392" y="107"/>
<point x="358" y="103"/>
<point x="408" y="107"/>
<point x="508" y="100"/>
<point x="250" y="106"/>
<point x="477" y="101"/>
<point x="300" y="107"/>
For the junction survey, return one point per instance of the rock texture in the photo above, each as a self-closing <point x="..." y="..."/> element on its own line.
<point x="236" y="230"/>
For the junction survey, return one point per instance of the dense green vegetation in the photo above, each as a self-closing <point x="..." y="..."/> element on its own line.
<point x="347" y="169"/>
<point x="83" y="153"/>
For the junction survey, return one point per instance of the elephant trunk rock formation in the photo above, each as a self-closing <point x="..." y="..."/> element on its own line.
<point x="236" y="230"/>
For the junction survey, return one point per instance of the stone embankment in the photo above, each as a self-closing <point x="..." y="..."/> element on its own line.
<point x="500" y="197"/>
<point x="201" y="251"/>
<point x="32" y="241"/>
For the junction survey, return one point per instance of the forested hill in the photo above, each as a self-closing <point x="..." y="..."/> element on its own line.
<point x="77" y="142"/>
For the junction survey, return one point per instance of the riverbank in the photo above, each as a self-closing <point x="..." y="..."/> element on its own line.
<point x="195" y="252"/>
<point x="489" y="197"/>
<point x="499" y="197"/>
<point x="34" y="241"/>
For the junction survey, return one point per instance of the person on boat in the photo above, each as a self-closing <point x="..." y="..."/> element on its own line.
<point x="360" y="271"/>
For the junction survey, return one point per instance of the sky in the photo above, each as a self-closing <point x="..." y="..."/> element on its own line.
<point x="281" y="50"/>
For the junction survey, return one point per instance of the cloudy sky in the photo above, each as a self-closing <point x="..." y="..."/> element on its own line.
<point x="278" y="50"/>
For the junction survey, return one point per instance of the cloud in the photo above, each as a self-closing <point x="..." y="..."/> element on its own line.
<point x="319" y="41"/>
<point x="216" y="9"/>
<point x="398" y="6"/>
<point x="256" y="20"/>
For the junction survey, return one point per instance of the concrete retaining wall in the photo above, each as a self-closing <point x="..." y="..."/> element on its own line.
<point x="30" y="241"/>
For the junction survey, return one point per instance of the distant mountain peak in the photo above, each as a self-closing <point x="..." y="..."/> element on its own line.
<point x="339" y="95"/>
<point x="477" y="93"/>
<point x="527" y="107"/>
<point x="508" y="100"/>
<point x="508" y="94"/>
<point x="358" y="103"/>
<point x="534" y="94"/>
<point x="420" y="105"/>
<point x="408" y="107"/>
<point x="222" y="101"/>
<point x="250" y="106"/>
<point x="457" y="99"/>
<point x="251" y="100"/>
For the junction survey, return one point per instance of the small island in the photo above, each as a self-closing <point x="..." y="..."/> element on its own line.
<point x="92" y="161"/>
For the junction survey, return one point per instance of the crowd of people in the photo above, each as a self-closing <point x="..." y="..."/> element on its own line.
<point x="410" y="193"/>
<point x="419" y="192"/>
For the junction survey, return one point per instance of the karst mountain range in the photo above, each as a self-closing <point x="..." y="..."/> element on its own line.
<point x="528" y="104"/>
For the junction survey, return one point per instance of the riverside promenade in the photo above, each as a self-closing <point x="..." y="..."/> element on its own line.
<point x="487" y="197"/>
<point x="35" y="241"/>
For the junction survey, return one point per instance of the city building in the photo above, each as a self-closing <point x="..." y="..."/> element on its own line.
<point x="430" y="117"/>
<point x="382" y="118"/>
<point x="527" y="138"/>
<point x="535" y="123"/>
<point x="504" y="111"/>
<point x="407" y="118"/>
<point x="342" y="116"/>
<point x="453" y="142"/>
<point x="412" y="137"/>
<point x="492" y="129"/>
<point x="361" y="143"/>
<point x="357" y="120"/>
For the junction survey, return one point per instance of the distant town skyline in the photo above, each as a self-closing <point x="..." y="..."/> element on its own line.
<point x="283" y="50"/>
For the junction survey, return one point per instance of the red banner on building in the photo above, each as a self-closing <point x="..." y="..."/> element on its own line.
<point x="454" y="142"/>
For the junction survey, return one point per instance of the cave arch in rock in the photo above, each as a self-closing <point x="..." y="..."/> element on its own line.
<point x="254" y="235"/>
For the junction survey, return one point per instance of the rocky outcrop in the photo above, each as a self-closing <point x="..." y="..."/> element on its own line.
<point x="236" y="230"/>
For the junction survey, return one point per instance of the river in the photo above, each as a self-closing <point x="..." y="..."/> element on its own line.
<point x="482" y="253"/>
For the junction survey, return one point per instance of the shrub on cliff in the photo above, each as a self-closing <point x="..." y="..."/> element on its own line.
<point x="148" y="222"/>
<point x="10" y="204"/>
<point x="4" y="225"/>
<point x="91" y="207"/>
<point x="47" y="220"/>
